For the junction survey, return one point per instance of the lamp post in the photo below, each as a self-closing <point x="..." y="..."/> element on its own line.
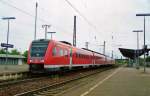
<point x="36" y="6"/>
<point x="137" y="31"/>
<point x="143" y="15"/>
<point x="51" y="34"/>
<point x="104" y="47"/>
<point x="8" y="19"/>
<point x="86" y="45"/>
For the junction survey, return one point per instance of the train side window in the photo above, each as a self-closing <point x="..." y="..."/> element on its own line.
<point x="61" y="52"/>
<point x="76" y="55"/>
<point x="65" y="53"/>
<point x="54" y="51"/>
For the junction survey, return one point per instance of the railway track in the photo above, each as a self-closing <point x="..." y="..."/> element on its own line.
<point x="26" y="77"/>
<point x="60" y="86"/>
<point x="8" y="83"/>
<point x="8" y="76"/>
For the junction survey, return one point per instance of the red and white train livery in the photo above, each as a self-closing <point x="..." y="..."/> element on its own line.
<point x="52" y="55"/>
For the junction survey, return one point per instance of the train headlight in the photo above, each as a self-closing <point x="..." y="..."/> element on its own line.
<point x="30" y="60"/>
<point x="42" y="60"/>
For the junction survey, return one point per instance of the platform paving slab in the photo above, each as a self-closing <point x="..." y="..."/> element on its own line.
<point x="124" y="82"/>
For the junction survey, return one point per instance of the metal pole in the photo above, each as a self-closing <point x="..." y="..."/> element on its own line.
<point x="86" y="44"/>
<point x="104" y="47"/>
<point x="7" y="18"/>
<point x="45" y="32"/>
<point x="137" y="40"/>
<point x="7" y="43"/>
<point x="51" y="34"/>
<point x="74" y="32"/>
<point x="144" y="14"/>
<point x="137" y="52"/>
<point x="45" y="26"/>
<point x="112" y="55"/>
<point x="35" y="20"/>
<point x="144" y="47"/>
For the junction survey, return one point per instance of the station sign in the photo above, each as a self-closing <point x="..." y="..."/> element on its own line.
<point x="7" y="45"/>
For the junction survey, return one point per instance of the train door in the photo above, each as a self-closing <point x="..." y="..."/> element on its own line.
<point x="93" y="59"/>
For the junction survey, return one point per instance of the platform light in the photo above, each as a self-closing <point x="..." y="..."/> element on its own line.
<point x="137" y="31"/>
<point x="143" y="15"/>
<point x="8" y="19"/>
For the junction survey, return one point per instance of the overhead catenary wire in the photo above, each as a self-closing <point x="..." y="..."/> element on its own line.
<point x="31" y="15"/>
<point x="42" y="20"/>
<point x="21" y="10"/>
<point x="72" y="6"/>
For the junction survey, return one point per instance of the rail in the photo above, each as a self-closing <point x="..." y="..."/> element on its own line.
<point x="59" y="84"/>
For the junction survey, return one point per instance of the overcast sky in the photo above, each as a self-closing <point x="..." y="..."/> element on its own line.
<point x="104" y="19"/>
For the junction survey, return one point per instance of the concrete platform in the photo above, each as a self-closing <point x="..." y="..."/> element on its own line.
<point x="13" y="68"/>
<point x="120" y="82"/>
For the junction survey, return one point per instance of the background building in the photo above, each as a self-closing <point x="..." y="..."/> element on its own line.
<point x="12" y="59"/>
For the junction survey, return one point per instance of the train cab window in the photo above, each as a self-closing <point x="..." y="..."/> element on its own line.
<point x="54" y="51"/>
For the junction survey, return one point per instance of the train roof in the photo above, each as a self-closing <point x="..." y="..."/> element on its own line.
<point x="93" y="51"/>
<point x="46" y="40"/>
<point x="66" y="42"/>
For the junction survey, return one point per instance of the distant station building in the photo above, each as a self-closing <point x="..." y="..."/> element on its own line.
<point x="12" y="59"/>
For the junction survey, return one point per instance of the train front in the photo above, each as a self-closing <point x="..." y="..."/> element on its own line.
<point x="36" y="55"/>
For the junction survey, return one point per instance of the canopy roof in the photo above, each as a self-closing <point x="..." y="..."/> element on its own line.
<point x="132" y="53"/>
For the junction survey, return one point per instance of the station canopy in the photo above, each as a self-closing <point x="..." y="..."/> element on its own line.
<point x="132" y="53"/>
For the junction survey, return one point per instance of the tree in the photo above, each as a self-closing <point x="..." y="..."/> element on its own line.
<point x="25" y="54"/>
<point x="14" y="52"/>
<point x="148" y="59"/>
<point x="2" y="51"/>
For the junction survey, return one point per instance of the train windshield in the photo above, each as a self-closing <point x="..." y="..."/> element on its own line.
<point x="38" y="48"/>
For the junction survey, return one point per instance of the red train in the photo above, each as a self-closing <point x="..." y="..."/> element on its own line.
<point x="50" y="55"/>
